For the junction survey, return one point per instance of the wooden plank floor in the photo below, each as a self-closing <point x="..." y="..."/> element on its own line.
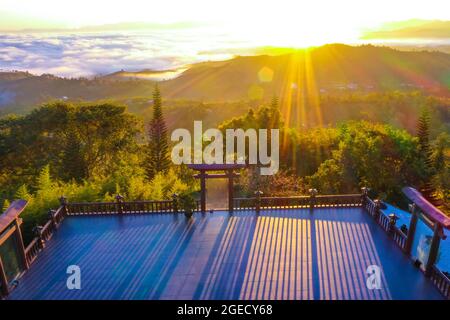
<point x="285" y="254"/>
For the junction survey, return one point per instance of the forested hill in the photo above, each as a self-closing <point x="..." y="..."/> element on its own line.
<point x="330" y="68"/>
<point x="327" y="68"/>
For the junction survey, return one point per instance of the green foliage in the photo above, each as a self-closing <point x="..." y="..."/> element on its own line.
<point x="305" y="150"/>
<point x="78" y="141"/>
<point x="423" y="133"/>
<point x="372" y="155"/>
<point x="87" y="152"/>
<point x="73" y="165"/>
<point x="91" y="152"/>
<point x="158" y="148"/>
<point x="264" y="117"/>
<point x="5" y="205"/>
<point x="440" y="159"/>
<point x="135" y="187"/>
<point x="187" y="203"/>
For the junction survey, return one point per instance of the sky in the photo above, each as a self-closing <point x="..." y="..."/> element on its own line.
<point x="189" y="31"/>
<point x="279" y="21"/>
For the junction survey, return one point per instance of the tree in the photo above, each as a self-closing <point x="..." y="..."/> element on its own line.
<point x="107" y="135"/>
<point x="423" y="134"/>
<point x="373" y="155"/>
<point x="78" y="141"/>
<point x="73" y="164"/>
<point x="441" y="164"/>
<point x="158" y="146"/>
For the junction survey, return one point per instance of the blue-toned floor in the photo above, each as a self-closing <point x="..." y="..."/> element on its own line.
<point x="286" y="254"/>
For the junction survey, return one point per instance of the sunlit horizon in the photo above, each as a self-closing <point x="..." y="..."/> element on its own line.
<point x="281" y="23"/>
<point x="88" y="38"/>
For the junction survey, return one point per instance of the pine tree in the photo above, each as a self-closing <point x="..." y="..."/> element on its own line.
<point x="423" y="133"/>
<point x="274" y="103"/>
<point x="275" y="114"/>
<point x="158" y="147"/>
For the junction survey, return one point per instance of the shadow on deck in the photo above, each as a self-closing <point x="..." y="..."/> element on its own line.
<point x="284" y="254"/>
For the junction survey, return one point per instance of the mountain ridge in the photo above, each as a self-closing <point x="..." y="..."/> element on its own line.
<point x="328" y="68"/>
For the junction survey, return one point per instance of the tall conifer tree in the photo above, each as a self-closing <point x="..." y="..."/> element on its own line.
<point x="423" y="133"/>
<point x="158" y="147"/>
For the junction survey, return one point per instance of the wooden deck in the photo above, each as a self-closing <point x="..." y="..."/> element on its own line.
<point x="284" y="254"/>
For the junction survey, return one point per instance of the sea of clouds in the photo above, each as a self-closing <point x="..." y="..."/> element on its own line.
<point x="90" y="54"/>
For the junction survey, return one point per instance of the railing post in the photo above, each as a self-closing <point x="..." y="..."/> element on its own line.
<point x="312" y="198"/>
<point x="63" y="203"/>
<point x="364" y="195"/>
<point x="119" y="203"/>
<point x="412" y="228"/>
<point x="258" y="195"/>
<point x="434" y="248"/>
<point x="377" y="209"/>
<point x="51" y="215"/>
<point x="18" y="222"/>
<point x="202" y="176"/>
<point x="175" y="202"/>
<point x="230" y="175"/>
<point x="38" y="233"/>
<point x="392" y="220"/>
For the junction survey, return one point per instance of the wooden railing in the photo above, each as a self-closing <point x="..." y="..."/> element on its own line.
<point x="370" y="206"/>
<point x="119" y="207"/>
<point x="321" y="201"/>
<point x="244" y="203"/>
<point x="342" y="200"/>
<point x="386" y="222"/>
<point x="43" y="234"/>
<point x="257" y="203"/>
<point x="441" y="281"/>
<point x="32" y="250"/>
<point x="383" y="220"/>
<point x="399" y="237"/>
<point x="107" y="208"/>
<point x="271" y="203"/>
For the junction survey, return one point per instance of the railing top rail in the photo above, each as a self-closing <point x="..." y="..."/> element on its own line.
<point x="305" y="197"/>
<point x="148" y="201"/>
<point x="433" y="213"/>
<point x="90" y="203"/>
<point x="13" y="211"/>
<point x="338" y="195"/>
<point x="441" y="274"/>
<point x="124" y="202"/>
<point x="31" y="244"/>
<point x="285" y="198"/>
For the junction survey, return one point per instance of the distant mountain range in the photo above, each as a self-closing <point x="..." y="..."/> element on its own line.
<point x="325" y="69"/>
<point x="412" y="29"/>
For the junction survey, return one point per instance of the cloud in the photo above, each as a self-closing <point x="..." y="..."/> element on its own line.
<point x="74" y="55"/>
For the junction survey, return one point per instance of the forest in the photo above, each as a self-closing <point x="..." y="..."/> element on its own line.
<point x="91" y="151"/>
